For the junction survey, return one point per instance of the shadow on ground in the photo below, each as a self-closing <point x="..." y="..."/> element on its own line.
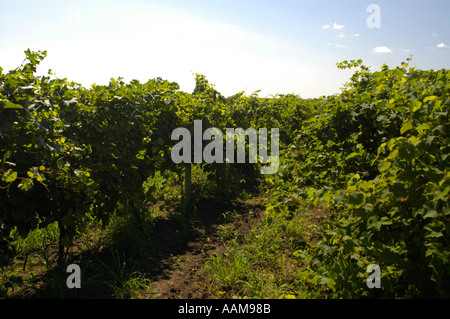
<point x="166" y="256"/>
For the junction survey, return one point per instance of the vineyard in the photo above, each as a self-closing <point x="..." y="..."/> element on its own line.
<point x="87" y="178"/>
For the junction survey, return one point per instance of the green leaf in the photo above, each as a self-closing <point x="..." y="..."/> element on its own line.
<point x="26" y="184"/>
<point x="431" y="214"/>
<point x="385" y="166"/>
<point x="422" y="127"/>
<point x="430" y="98"/>
<point x="443" y="193"/>
<point x="354" y="154"/>
<point x="9" y="176"/>
<point x="141" y="154"/>
<point x="436" y="226"/>
<point x="406" y="127"/>
<point x="429" y="139"/>
<point x="415" y="105"/>
<point x="11" y="105"/>
<point x="434" y="234"/>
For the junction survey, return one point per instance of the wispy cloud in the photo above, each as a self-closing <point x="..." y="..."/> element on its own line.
<point x="335" y="26"/>
<point x="442" y="45"/>
<point x="341" y="35"/>
<point x="382" y="49"/>
<point x="337" y="45"/>
<point x="338" y="26"/>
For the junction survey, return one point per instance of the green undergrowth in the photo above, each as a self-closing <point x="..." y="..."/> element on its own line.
<point x="265" y="263"/>
<point x="111" y="254"/>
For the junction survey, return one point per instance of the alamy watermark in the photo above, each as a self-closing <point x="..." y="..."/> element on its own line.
<point x="214" y="150"/>
<point x="74" y="279"/>
<point x="374" y="279"/>
<point x="374" y="19"/>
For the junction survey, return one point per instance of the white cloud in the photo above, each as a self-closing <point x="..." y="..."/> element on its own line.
<point x="338" y="26"/>
<point x="442" y="45"/>
<point x="337" y="45"/>
<point x="335" y="26"/>
<point x="341" y="35"/>
<point x="356" y="35"/>
<point x="382" y="49"/>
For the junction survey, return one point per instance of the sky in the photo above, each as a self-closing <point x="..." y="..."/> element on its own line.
<point x="275" y="46"/>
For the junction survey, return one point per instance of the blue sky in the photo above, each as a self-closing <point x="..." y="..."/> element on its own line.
<point x="276" y="46"/>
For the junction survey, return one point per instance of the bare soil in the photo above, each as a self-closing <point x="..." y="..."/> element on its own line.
<point x="179" y="253"/>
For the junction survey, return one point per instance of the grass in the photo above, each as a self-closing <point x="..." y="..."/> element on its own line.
<point x="264" y="263"/>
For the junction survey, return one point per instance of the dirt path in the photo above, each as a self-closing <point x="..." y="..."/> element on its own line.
<point x="180" y="249"/>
